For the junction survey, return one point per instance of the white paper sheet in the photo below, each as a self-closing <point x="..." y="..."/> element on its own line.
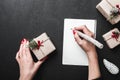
<point x="73" y="54"/>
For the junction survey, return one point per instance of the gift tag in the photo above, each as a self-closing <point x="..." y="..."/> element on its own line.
<point x="112" y="68"/>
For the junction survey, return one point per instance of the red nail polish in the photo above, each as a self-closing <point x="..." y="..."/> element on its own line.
<point x="25" y="40"/>
<point x="74" y="32"/>
<point x="22" y="41"/>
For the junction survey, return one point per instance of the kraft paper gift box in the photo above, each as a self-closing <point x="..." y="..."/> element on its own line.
<point x="112" y="38"/>
<point x="110" y="9"/>
<point x="41" y="46"/>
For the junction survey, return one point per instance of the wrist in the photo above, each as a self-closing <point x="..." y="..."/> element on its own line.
<point x="94" y="71"/>
<point x="92" y="55"/>
<point x="26" y="77"/>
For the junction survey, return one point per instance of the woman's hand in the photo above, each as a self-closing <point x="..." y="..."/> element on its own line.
<point x="88" y="47"/>
<point x="27" y="66"/>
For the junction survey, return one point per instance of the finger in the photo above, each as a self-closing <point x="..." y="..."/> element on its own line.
<point x="24" y="43"/>
<point x="78" y="39"/>
<point x="85" y="30"/>
<point x="22" y="47"/>
<point x="17" y="57"/>
<point x="27" y="49"/>
<point x="82" y="28"/>
<point x="20" y="50"/>
<point x="39" y="63"/>
<point x="44" y="59"/>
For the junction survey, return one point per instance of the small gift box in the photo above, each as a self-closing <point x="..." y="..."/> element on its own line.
<point x="41" y="46"/>
<point x="110" y="9"/>
<point x="112" y="38"/>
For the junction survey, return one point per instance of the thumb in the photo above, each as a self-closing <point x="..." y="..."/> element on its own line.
<point x="36" y="66"/>
<point x="39" y="63"/>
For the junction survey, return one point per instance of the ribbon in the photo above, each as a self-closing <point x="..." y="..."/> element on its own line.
<point x="115" y="35"/>
<point x="40" y="43"/>
<point x="37" y="44"/>
<point x="118" y="6"/>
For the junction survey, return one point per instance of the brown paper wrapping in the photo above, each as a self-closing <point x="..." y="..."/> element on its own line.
<point x="46" y="48"/>
<point x="105" y="6"/>
<point x="111" y="42"/>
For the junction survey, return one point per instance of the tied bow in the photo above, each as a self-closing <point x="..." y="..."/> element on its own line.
<point x="40" y="43"/>
<point x="115" y="35"/>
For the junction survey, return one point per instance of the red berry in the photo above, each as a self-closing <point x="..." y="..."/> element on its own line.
<point x="117" y="6"/>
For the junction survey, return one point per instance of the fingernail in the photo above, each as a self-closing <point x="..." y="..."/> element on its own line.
<point x="23" y="40"/>
<point x="74" y="32"/>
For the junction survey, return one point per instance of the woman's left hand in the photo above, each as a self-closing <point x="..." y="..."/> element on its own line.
<point x="27" y="66"/>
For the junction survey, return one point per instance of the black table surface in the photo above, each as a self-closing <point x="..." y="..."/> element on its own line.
<point x="29" y="18"/>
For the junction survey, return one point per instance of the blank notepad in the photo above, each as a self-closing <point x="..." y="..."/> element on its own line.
<point x="73" y="54"/>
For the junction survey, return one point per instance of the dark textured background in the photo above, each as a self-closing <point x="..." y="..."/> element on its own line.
<point x="29" y="18"/>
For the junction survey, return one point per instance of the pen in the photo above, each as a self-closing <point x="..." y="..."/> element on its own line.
<point x="90" y="39"/>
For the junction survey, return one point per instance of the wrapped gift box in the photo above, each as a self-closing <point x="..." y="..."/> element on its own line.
<point x="41" y="46"/>
<point x="107" y="7"/>
<point x="112" y="38"/>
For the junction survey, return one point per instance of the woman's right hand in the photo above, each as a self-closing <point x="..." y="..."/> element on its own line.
<point x="87" y="46"/>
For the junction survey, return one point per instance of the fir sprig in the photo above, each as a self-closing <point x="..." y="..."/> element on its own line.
<point x="115" y="12"/>
<point x="33" y="44"/>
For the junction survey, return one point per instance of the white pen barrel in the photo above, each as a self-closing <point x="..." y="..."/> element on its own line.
<point x="90" y="39"/>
